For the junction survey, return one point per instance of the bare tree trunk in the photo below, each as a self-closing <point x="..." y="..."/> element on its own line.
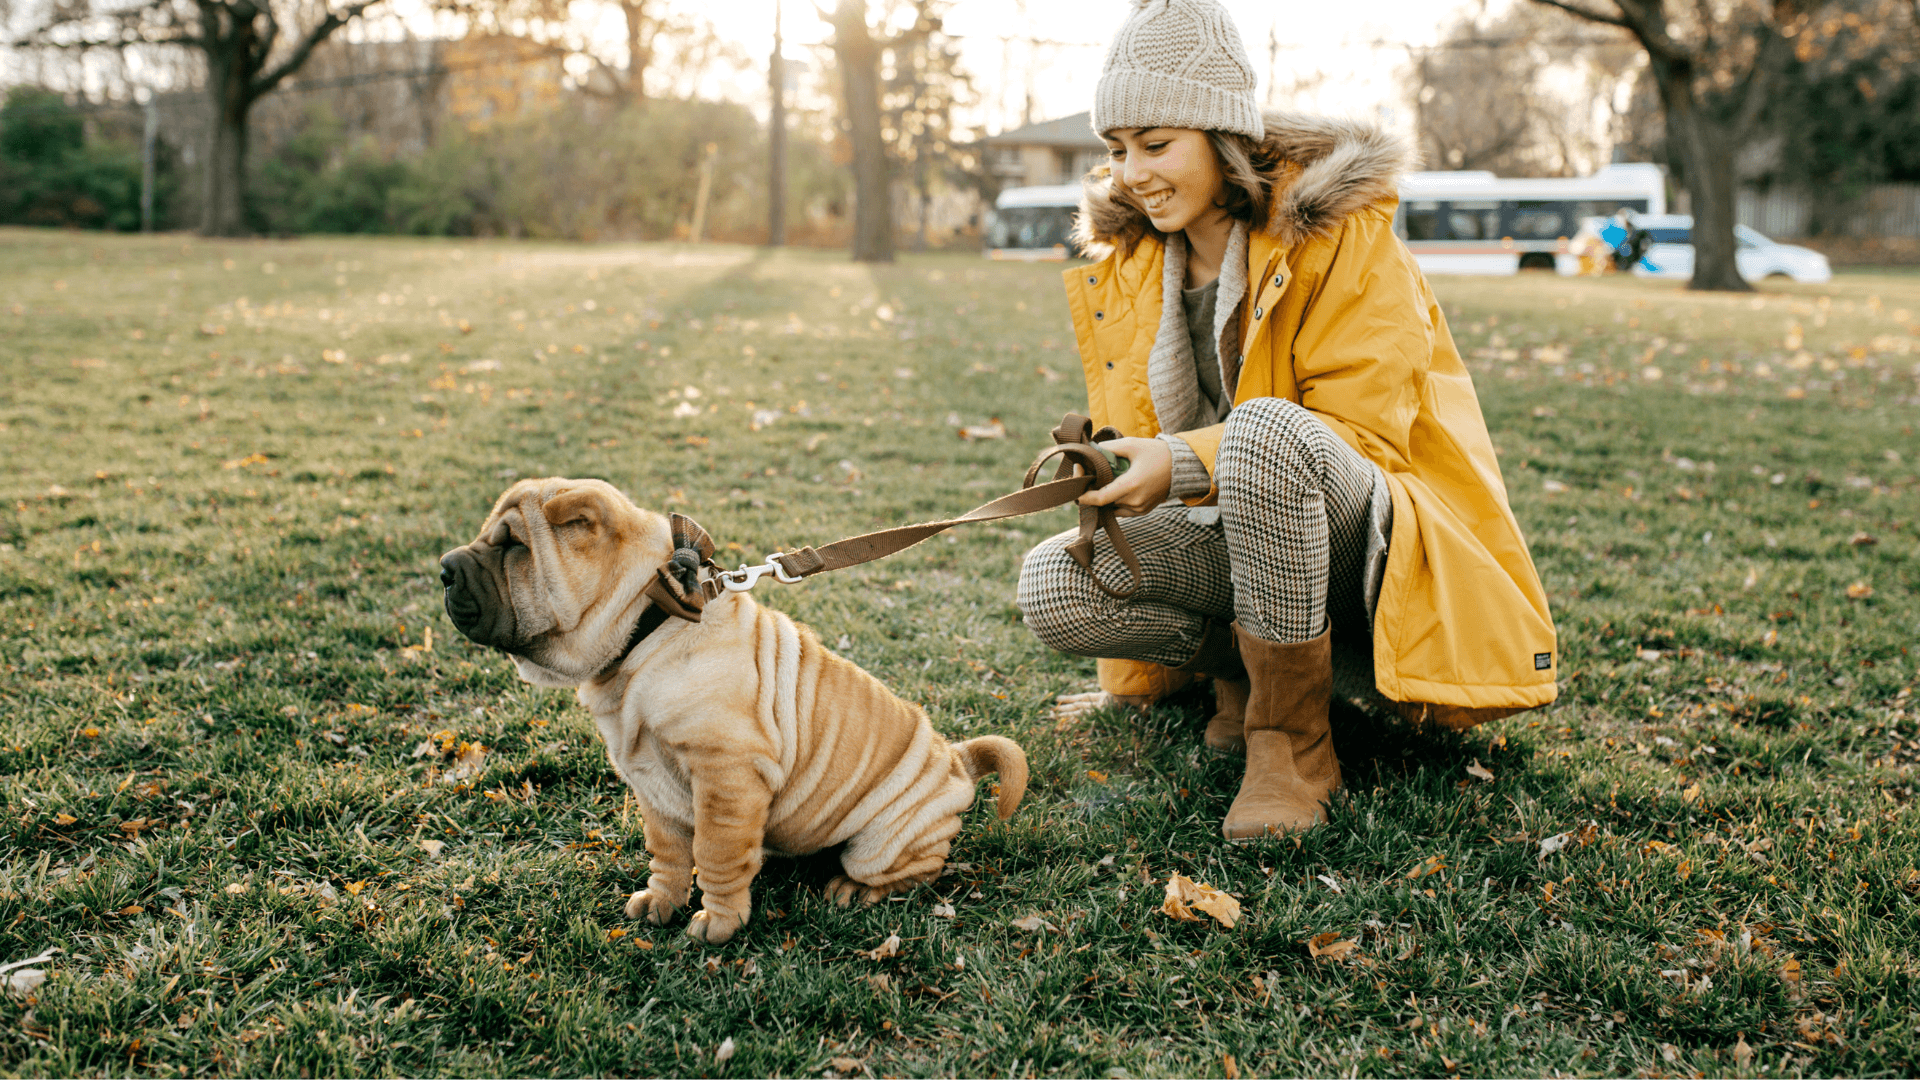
<point x="639" y="49"/>
<point x="1706" y="154"/>
<point x="224" y="211"/>
<point x="777" y="140"/>
<point x="859" y="59"/>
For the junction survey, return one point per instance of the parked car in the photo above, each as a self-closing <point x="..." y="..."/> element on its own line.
<point x="1670" y="255"/>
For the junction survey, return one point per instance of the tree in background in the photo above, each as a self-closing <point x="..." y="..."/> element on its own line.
<point x="920" y="94"/>
<point x="1715" y="66"/>
<point x="1483" y="97"/>
<point x="245" y="55"/>
<point x="857" y="54"/>
<point x="1846" y="114"/>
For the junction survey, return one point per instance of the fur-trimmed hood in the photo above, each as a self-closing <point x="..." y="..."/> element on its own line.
<point x="1333" y="167"/>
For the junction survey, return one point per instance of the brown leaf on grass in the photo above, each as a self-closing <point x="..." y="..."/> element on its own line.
<point x="992" y="429"/>
<point x="432" y="847"/>
<point x="1033" y="922"/>
<point x="884" y="950"/>
<point x="1432" y="865"/>
<point x="1859" y="590"/>
<point x="845" y="1064"/>
<point x="1331" y="945"/>
<point x="1479" y="771"/>
<point x="1188" y="899"/>
<point x="1861" y="539"/>
<point x="64" y="819"/>
<point x="1230" y="1067"/>
<point x="1742" y="1053"/>
<point x="468" y="761"/>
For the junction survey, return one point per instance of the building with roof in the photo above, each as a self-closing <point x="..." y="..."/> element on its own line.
<point x="1050" y="152"/>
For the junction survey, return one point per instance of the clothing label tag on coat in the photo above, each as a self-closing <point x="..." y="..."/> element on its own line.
<point x="1542" y="661"/>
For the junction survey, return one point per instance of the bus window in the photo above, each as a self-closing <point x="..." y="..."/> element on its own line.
<point x="1607" y="207"/>
<point x="1422" y="219"/>
<point x="1532" y="220"/>
<point x="1474" y="220"/>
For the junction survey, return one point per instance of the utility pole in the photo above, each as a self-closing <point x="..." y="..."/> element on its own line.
<point x="148" y="140"/>
<point x="695" y="234"/>
<point x="777" y="141"/>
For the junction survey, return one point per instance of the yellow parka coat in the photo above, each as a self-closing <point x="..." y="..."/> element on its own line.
<point x="1338" y="317"/>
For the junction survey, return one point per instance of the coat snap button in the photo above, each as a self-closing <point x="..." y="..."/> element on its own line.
<point x="1109" y="365"/>
<point x="1278" y="280"/>
<point x="1093" y="281"/>
<point x="1099" y="314"/>
<point x="1257" y="312"/>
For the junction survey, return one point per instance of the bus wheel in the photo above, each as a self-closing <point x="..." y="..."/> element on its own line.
<point x="1536" y="260"/>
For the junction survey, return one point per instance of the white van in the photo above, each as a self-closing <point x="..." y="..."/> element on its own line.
<point x="1032" y="223"/>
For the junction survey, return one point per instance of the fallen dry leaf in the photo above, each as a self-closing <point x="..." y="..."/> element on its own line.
<point x="1331" y="945"/>
<point x="1185" y="896"/>
<point x="1859" y="590"/>
<point x="25" y="981"/>
<point x="1033" y="922"/>
<point x="1479" y="771"/>
<point x="944" y="911"/>
<point x="725" y="1052"/>
<point x="1742" y="1053"/>
<point x="432" y="847"/>
<point x="238" y="888"/>
<point x="887" y="948"/>
<point x="993" y="429"/>
<point x="64" y="819"/>
<point x="1433" y="864"/>
<point x="467" y="762"/>
<point x="845" y="1064"/>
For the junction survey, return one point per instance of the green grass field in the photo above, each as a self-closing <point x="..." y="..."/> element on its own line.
<point x="281" y="820"/>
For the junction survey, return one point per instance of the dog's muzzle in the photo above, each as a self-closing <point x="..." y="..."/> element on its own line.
<point x="476" y="597"/>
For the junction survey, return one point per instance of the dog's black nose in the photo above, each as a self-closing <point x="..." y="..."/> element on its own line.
<point x="446" y="575"/>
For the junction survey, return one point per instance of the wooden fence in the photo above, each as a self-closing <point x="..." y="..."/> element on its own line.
<point x="1886" y="210"/>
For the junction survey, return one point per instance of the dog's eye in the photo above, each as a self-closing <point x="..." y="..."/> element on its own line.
<point x="502" y="537"/>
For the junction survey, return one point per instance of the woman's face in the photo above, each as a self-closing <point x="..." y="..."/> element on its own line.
<point x="1171" y="172"/>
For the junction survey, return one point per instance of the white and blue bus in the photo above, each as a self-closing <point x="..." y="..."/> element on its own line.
<point x="1477" y="223"/>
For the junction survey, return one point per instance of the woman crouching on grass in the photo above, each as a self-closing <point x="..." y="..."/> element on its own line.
<point x="1307" y="460"/>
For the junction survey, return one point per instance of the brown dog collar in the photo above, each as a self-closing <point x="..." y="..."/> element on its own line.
<point x="679" y="589"/>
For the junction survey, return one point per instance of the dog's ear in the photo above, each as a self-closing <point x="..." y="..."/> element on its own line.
<point x="581" y="505"/>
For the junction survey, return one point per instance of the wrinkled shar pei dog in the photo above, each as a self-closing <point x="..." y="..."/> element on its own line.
<point x="737" y="731"/>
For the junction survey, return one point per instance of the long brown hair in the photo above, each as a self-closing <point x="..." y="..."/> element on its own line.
<point x="1250" y="169"/>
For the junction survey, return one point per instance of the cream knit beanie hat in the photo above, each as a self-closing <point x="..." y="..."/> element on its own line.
<point x="1177" y="64"/>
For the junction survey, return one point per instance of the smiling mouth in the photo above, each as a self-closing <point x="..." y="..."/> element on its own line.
<point x="1157" y="200"/>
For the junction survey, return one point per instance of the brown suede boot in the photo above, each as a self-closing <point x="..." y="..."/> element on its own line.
<point x="1226" y="732"/>
<point x="1291" y="768"/>
<point x="1219" y="656"/>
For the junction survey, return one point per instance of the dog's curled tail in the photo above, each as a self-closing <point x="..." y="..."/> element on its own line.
<point x="994" y="754"/>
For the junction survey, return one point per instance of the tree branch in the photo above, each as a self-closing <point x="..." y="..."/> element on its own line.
<point x="293" y="60"/>
<point x="1594" y="16"/>
<point x="1637" y="20"/>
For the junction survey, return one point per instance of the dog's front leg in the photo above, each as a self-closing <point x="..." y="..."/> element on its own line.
<point x="730" y="802"/>
<point x="672" y="869"/>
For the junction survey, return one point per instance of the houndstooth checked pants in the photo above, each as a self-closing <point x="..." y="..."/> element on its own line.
<point x="1287" y="551"/>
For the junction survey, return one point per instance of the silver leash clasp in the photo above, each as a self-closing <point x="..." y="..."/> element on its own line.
<point x="748" y="576"/>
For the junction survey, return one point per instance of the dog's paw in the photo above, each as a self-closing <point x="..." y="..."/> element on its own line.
<point x="656" y="907"/>
<point x="712" y="927"/>
<point x="843" y="890"/>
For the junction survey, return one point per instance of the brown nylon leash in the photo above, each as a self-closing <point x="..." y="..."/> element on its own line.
<point x="1082" y="468"/>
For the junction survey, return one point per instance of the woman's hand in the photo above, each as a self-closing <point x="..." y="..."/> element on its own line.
<point x="1144" y="485"/>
